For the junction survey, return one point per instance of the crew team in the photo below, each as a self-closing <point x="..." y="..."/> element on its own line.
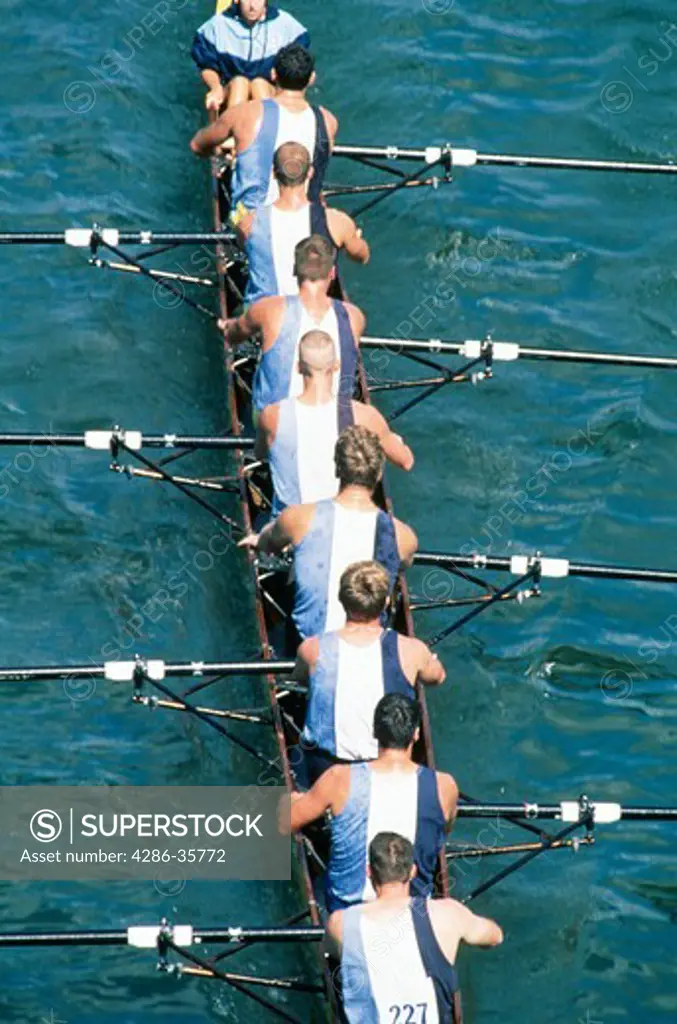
<point x="389" y="815"/>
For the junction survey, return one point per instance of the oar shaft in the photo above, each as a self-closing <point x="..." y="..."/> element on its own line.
<point x="469" y="158"/>
<point x="147" y="441"/>
<point x="589" y="570"/>
<point x="553" y="812"/>
<point x="123" y="237"/>
<point x="434" y="346"/>
<point x="122" y="938"/>
<point x="182" y="669"/>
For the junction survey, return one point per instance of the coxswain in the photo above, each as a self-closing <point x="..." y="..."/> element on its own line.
<point x="271" y="233"/>
<point x="398" y="953"/>
<point x="260" y="127"/>
<point x="391" y="794"/>
<point x="235" y="50"/>
<point x="350" y="670"/>
<point x="282" y="322"/>
<point x="328" y="536"/>
<point x="298" y="435"/>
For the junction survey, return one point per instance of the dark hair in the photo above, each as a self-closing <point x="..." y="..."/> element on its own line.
<point x="313" y="258"/>
<point x="294" y="66"/>
<point x="359" y="457"/>
<point x="396" y="719"/>
<point x="291" y="163"/>
<point x="391" y="858"/>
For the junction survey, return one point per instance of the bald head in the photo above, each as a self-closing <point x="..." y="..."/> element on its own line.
<point x="291" y="165"/>
<point x="317" y="353"/>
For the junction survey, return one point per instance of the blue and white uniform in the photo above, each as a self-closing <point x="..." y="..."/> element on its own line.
<point x="401" y="978"/>
<point x="277" y="375"/>
<point x="302" y="455"/>
<point x="253" y="183"/>
<point x="271" y="244"/>
<point x="346" y="684"/>
<point x="337" y="537"/>
<point x="228" y="45"/>
<point x="393" y="801"/>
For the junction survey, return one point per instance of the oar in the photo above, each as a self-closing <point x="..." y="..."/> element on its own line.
<point x="518" y="565"/>
<point x="148" y="936"/>
<point x="465" y="157"/>
<point x="104" y="440"/>
<point x="568" y="811"/>
<point x="507" y="351"/>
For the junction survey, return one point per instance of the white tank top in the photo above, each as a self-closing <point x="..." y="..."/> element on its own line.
<point x="287" y="229"/>
<point x="359" y="687"/>
<point x="329" y="324"/>
<point x="353" y="541"/>
<point x="393" y="807"/>
<point x="293" y="128"/>
<point x="401" y="990"/>
<point x="316" y="436"/>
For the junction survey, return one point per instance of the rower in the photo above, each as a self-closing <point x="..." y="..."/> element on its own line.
<point x="397" y="954"/>
<point x="260" y="127"/>
<point x="298" y="435"/>
<point x="392" y="793"/>
<point x="236" y="48"/>
<point x="282" y="322"/>
<point x="270" y="233"/>
<point x="328" y="536"/>
<point x="350" y="670"/>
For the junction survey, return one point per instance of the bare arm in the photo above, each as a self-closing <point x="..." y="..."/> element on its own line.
<point x="448" y="792"/>
<point x="312" y="805"/>
<point x="348" y="236"/>
<point x="394" y="448"/>
<point x="480" y="931"/>
<point x="306" y="657"/>
<point x="431" y="670"/>
<point x="266" y="431"/>
<point x="216" y="94"/>
<point x="333" y="938"/>
<point x="207" y="139"/>
<point x="274" y="537"/>
<point x="407" y="542"/>
<point x="241" y="328"/>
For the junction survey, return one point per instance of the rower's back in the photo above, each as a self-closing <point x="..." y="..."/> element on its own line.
<point x="393" y="967"/>
<point x="287" y="117"/>
<point x="350" y="528"/>
<point x="277" y="374"/>
<point x="398" y="953"/>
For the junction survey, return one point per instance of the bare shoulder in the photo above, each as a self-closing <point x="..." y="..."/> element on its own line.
<point x="331" y="122"/>
<point x="264" y="308"/>
<point x="407" y="541"/>
<point x="296" y="521"/>
<point x="268" y="417"/>
<point x="415" y="648"/>
<point x="447" y="785"/>
<point x="309" y="650"/>
<point x="358" y="320"/>
<point x="368" y="416"/>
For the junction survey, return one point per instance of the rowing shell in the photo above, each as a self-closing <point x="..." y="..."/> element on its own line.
<point x="273" y="598"/>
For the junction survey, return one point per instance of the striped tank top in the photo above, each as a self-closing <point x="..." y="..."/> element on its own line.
<point x="271" y="244"/>
<point x="277" y="375"/>
<point x="395" y="801"/>
<point x="253" y="183"/>
<point x="395" y="972"/>
<point x="302" y="455"/>
<point x="337" y="537"/>
<point x="346" y="685"/>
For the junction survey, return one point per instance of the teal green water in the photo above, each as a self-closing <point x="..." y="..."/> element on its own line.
<point x="545" y="700"/>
